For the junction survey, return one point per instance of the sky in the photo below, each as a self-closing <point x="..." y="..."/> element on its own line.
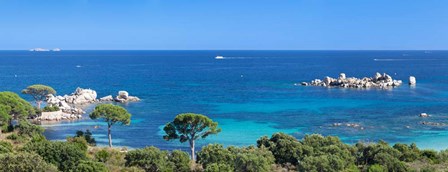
<point x="224" y="24"/>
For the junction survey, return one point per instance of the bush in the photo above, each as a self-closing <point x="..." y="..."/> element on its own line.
<point x="215" y="167"/>
<point x="29" y="130"/>
<point x="430" y="154"/>
<point x="23" y="161"/>
<point x="216" y="154"/>
<point x="90" y="166"/>
<point x="377" y="168"/>
<point x="254" y="159"/>
<point x="102" y="155"/>
<point x="5" y="147"/>
<point x="50" y="109"/>
<point x="149" y="159"/>
<point x="285" y="148"/>
<point x="408" y="153"/>
<point x="64" y="155"/>
<point x="181" y="160"/>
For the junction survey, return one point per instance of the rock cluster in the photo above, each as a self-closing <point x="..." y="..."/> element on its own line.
<point x="122" y="97"/>
<point x="377" y="81"/>
<point x="57" y="115"/>
<point x="70" y="103"/>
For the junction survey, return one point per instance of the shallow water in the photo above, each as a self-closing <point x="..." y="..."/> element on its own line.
<point x="250" y="93"/>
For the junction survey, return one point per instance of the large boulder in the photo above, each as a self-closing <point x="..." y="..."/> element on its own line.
<point x="81" y="96"/>
<point x="107" y="98"/>
<point x="123" y="97"/>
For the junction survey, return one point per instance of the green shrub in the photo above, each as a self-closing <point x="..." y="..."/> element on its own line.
<point x="377" y="168"/>
<point x="13" y="136"/>
<point x="252" y="159"/>
<point x="29" y="130"/>
<point x="90" y="166"/>
<point x="102" y="155"/>
<point x="50" y="109"/>
<point x="5" y="147"/>
<point x="215" y="167"/>
<point x="181" y="160"/>
<point x="64" y="155"/>
<point x="430" y="154"/>
<point x="285" y="148"/>
<point x="149" y="159"/>
<point x="216" y="154"/>
<point x="408" y="153"/>
<point x="23" y="161"/>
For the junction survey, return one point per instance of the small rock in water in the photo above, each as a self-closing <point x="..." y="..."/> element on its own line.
<point x="412" y="80"/>
<point x="424" y="115"/>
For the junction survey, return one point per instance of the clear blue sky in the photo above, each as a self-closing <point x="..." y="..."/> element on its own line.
<point x="224" y="24"/>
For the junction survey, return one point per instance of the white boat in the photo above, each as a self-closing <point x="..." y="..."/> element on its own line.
<point x="219" y="57"/>
<point x="56" y="49"/>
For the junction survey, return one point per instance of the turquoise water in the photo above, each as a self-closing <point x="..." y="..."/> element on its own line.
<point x="250" y="93"/>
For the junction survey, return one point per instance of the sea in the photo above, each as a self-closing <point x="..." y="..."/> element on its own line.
<point x="249" y="93"/>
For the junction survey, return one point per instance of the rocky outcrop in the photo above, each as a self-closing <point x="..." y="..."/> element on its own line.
<point x="123" y="97"/>
<point x="70" y="104"/>
<point x="108" y="98"/>
<point x="57" y="115"/>
<point x="412" y="81"/>
<point x="60" y="102"/>
<point x="377" y="81"/>
<point x="81" y="96"/>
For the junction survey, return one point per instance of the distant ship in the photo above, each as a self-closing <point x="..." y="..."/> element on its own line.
<point x="219" y="57"/>
<point x="56" y="49"/>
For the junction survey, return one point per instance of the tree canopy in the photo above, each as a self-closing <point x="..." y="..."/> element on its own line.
<point x="39" y="92"/>
<point x="112" y="114"/>
<point x="189" y="127"/>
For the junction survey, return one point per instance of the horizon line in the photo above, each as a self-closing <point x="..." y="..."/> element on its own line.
<point x="231" y="50"/>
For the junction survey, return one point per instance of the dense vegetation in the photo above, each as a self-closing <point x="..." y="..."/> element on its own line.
<point x="24" y="148"/>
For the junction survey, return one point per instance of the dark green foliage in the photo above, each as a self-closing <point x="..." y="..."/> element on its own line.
<point x="430" y="154"/>
<point x="216" y="154"/>
<point x="64" y="155"/>
<point x="149" y="159"/>
<point x="102" y="155"/>
<point x="38" y="92"/>
<point x="16" y="107"/>
<point x="380" y="153"/>
<point x="408" y="153"/>
<point x="313" y="152"/>
<point x="285" y="148"/>
<point x="29" y="130"/>
<point x="190" y="127"/>
<point x="215" y="167"/>
<point x="112" y="114"/>
<point x="90" y="166"/>
<point x="377" y="168"/>
<point x="79" y="142"/>
<point x="23" y="161"/>
<point x="181" y="160"/>
<point x="254" y="160"/>
<point x="50" y="109"/>
<point x="5" y="147"/>
<point x="87" y="137"/>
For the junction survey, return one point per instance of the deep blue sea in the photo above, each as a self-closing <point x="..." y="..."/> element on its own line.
<point x="250" y="93"/>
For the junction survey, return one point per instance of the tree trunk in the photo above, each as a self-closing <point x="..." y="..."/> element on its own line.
<point x="38" y="104"/>
<point x="110" y="136"/>
<point x="192" y="150"/>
